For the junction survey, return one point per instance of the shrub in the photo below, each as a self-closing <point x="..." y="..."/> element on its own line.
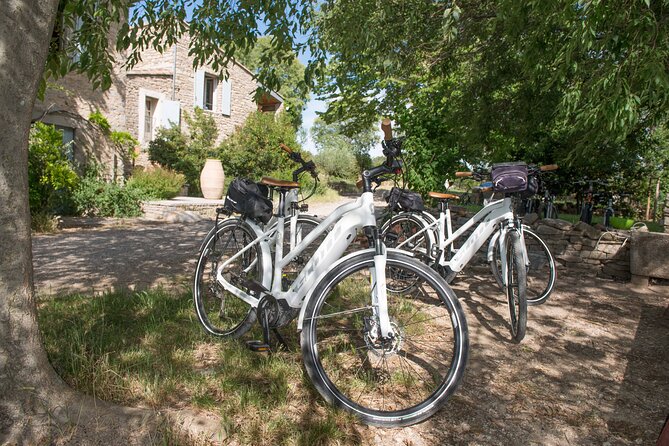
<point x="124" y="141"/>
<point x="51" y="177"/>
<point x="44" y="222"/>
<point x="338" y="162"/>
<point x="158" y="183"/>
<point x="253" y="149"/>
<point x="95" y="197"/>
<point x="186" y="153"/>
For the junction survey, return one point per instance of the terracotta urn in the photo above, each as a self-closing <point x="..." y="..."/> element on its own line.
<point x="211" y="179"/>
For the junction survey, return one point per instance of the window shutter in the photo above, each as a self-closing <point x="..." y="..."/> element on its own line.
<point x="226" y="102"/>
<point x="170" y="115"/>
<point x="199" y="89"/>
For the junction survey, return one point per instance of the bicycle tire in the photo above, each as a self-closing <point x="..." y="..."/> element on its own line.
<point x="516" y="281"/>
<point x="376" y="381"/>
<point x="221" y="313"/>
<point x="541" y="272"/>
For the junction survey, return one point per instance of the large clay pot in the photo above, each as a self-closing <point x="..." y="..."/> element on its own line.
<point x="211" y="179"/>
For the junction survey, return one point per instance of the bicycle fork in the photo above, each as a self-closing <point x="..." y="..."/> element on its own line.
<point x="378" y="285"/>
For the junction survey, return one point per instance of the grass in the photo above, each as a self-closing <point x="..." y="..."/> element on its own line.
<point x="147" y="349"/>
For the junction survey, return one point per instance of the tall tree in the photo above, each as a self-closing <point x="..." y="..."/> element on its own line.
<point x="553" y="81"/>
<point x="342" y="153"/>
<point x="37" y="37"/>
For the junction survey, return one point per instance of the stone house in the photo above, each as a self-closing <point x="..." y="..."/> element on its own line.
<point x="154" y="93"/>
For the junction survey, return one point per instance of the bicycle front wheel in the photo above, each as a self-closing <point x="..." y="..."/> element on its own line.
<point x="541" y="271"/>
<point x="220" y="312"/>
<point x="516" y="282"/>
<point x="387" y="382"/>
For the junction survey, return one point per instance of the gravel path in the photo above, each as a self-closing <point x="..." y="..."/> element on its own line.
<point x="126" y="254"/>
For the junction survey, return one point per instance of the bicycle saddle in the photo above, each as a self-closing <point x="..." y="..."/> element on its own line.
<point x="442" y="196"/>
<point x="273" y="182"/>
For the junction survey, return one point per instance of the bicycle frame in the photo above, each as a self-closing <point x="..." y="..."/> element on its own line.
<point x="490" y="219"/>
<point x="347" y="220"/>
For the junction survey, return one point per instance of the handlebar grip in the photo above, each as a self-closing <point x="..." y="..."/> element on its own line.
<point x="463" y="174"/>
<point x="359" y="183"/>
<point x="285" y="148"/>
<point x="387" y="129"/>
<point x="548" y="167"/>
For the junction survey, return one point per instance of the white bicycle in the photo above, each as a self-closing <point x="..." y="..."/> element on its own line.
<point x="433" y="241"/>
<point x="391" y="358"/>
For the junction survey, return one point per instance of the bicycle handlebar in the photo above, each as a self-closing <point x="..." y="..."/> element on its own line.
<point x="307" y="166"/>
<point x="392" y="149"/>
<point x="387" y="128"/>
<point x="285" y="148"/>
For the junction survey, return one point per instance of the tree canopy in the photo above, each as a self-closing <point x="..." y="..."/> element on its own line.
<point x="218" y="30"/>
<point x="574" y="82"/>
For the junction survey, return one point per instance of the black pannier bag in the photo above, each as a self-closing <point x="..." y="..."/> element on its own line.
<point x="405" y="200"/>
<point x="509" y="177"/>
<point x="249" y="199"/>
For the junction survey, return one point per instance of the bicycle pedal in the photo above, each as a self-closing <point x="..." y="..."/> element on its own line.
<point x="258" y="346"/>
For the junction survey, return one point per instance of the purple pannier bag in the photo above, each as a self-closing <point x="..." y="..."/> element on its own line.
<point x="509" y="177"/>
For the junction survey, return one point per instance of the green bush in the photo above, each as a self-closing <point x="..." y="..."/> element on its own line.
<point x="94" y="197"/>
<point x="51" y="177"/>
<point x="186" y="153"/>
<point x="158" y="183"/>
<point x="253" y="150"/>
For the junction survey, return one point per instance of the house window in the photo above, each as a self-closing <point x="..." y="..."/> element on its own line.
<point x="68" y="141"/>
<point x="209" y="89"/>
<point x="149" y="114"/>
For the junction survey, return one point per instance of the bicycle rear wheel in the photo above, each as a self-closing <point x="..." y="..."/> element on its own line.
<point x="387" y="382"/>
<point x="220" y="312"/>
<point x="403" y="231"/>
<point x="516" y="281"/>
<point x="541" y="271"/>
<point x="400" y="232"/>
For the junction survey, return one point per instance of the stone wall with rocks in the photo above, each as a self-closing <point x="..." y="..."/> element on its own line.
<point x="581" y="245"/>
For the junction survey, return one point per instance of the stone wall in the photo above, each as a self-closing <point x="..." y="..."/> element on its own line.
<point x="583" y="246"/>
<point x="70" y="102"/>
<point x="154" y="76"/>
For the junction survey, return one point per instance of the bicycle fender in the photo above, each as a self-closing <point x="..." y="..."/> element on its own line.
<point x="307" y="298"/>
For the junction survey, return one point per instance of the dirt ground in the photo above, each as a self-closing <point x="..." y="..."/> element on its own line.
<point x="593" y="368"/>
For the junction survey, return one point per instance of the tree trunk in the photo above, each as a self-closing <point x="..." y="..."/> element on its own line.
<point x="36" y="406"/>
